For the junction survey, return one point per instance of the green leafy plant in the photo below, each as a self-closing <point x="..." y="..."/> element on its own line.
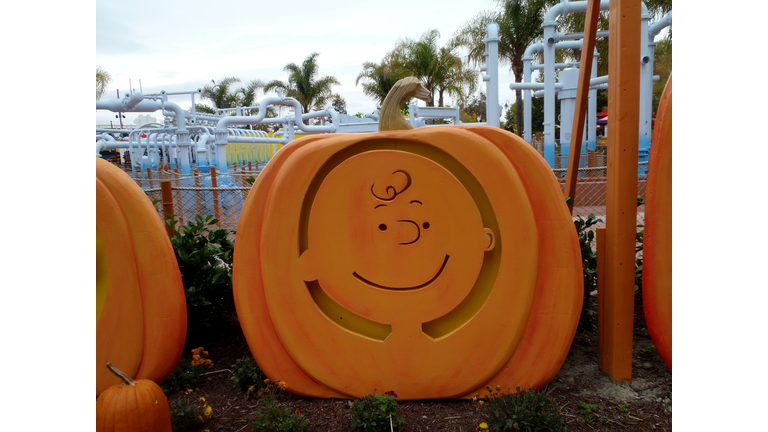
<point x="639" y="237"/>
<point x="586" y="233"/>
<point x="376" y="412"/>
<point x="185" y="415"/>
<point x="526" y="411"/>
<point x="622" y="408"/>
<point x="246" y="373"/>
<point x="204" y="254"/>
<point x="586" y="410"/>
<point x="272" y="417"/>
<point x="183" y="377"/>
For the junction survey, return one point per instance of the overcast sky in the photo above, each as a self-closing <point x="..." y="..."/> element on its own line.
<point x="181" y="46"/>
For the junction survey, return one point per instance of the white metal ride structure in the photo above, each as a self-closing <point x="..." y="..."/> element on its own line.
<point x="566" y="88"/>
<point x="191" y="138"/>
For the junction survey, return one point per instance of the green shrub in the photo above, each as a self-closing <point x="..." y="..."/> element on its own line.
<point x="184" y="376"/>
<point x="205" y="256"/>
<point x="589" y="264"/>
<point x="271" y="417"/>
<point x="639" y="237"/>
<point x="527" y="411"/>
<point x="184" y="415"/>
<point x="247" y="373"/>
<point x="373" y="413"/>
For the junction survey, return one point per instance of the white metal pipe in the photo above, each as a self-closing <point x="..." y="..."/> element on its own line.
<point x="656" y="28"/>
<point x="646" y="94"/>
<point x="532" y="86"/>
<point x="492" y="78"/>
<point x="557" y="65"/>
<point x="578" y="35"/>
<point x="221" y="127"/>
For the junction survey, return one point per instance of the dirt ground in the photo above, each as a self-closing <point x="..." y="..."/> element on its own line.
<point x="643" y="405"/>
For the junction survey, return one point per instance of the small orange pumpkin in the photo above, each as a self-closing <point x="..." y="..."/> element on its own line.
<point x="434" y="261"/>
<point x="134" y="406"/>
<point x="141" y="315"/>
<point x="657" y="248"/>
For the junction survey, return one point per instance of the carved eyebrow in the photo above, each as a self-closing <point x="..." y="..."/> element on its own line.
<point x="380" y="205"/>
<point x="416" y="201"/>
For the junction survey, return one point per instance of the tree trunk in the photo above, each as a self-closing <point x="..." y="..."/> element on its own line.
<point x="517" y="69"/>
<point x="440" y="98"/>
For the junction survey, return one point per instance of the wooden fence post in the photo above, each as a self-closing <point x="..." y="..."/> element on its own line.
<point x="167" y="193"/>
<point x="197" y="192"/>
<point x="215" y="184"/>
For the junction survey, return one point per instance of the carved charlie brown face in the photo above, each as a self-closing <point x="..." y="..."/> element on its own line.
<point x="392" y="233"/>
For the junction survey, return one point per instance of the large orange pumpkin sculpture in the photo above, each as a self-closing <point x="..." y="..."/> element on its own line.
<point x="141" y="315"/>
<point x="657" y="247"/>
<point x="433" y="262"/>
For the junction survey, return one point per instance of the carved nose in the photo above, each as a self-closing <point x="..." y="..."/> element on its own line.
<point x="408" y="232"/>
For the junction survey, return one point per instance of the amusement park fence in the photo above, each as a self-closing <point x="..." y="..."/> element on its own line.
<point x="223" y="196"/>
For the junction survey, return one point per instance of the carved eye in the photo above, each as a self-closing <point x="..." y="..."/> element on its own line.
<point x="382" y="227"/>
<point x="425" y="225"/>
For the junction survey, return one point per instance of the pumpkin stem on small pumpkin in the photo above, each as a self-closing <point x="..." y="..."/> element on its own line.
<point x="124" y="377"/>
<point x="403" y="90"/>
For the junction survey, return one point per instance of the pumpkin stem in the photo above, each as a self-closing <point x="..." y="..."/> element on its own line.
<point x="124" y="377"/>
<point x="391" y="118"/>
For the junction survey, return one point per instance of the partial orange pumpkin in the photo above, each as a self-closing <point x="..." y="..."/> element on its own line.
<point x="141" y="317"/>
<point x="433" y="262"/>
<point x="657" y="242"/>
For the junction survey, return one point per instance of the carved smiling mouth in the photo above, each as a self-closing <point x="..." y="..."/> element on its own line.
<point x="374" y="284"/>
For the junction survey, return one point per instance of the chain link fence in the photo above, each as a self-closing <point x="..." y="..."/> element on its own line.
<point x="591" y="184"/>
<point x="205" y="193"/>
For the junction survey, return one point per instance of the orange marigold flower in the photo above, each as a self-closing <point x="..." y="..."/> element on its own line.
<point x="282" y="385"/>
<point x="251" y="388"/>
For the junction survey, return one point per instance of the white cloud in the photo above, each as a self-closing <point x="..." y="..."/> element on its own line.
<point x="180" y="46"/>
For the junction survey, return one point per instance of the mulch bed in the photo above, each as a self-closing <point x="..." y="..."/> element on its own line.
<point x="645" y="405"/>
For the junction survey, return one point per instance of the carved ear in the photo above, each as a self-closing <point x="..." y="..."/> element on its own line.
<point x="307" y="264"/>
<point x="491" y="238"/>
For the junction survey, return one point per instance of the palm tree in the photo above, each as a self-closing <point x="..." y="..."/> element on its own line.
<point x="519" y="25"/>
<point x="103" y="78"/>
<point x="438" y="69"/>
<point x="247" y="94"/>
<point x="378" y="79"/>
<point x="421" y="58"/>
<point x="304" y="85"/>
<point x="222" y="94"/>
<point x="454" y="77"/>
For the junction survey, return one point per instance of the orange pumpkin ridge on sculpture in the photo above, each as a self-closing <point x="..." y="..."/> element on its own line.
<point x="657" y="251"/>
<point x="141" y="315"/>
